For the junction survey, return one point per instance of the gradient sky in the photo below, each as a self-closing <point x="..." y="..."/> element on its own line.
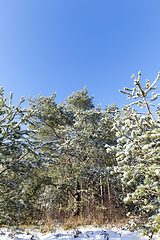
<point x="62" y="45"/>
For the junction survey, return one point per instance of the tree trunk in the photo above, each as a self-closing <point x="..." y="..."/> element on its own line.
<point x="78" y="199"/>
<point x="101" y="191"/>
<point x="109" y="198"/>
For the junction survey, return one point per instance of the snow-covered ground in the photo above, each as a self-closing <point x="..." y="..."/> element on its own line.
<point x="90" y="233"/>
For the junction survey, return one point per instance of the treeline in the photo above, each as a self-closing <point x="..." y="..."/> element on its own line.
<point x="75" y="159"/>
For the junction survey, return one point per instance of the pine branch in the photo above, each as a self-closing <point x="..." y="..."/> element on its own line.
<point x="152" y="192"/>
<point x="50" y="127"/>
<point x="3" y="171"/>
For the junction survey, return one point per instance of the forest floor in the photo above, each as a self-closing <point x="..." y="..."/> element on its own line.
<point x="82" y="233"/>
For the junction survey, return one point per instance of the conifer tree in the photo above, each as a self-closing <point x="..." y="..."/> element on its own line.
<point x="74" y="134"/>
<point x="138" y="152"/>
<point x="16" y="158"/>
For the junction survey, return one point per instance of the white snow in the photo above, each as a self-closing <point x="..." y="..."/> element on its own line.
<point x="83" y="233"/>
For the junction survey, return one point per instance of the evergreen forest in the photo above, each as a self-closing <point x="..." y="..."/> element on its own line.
<point x="74" y="160"/>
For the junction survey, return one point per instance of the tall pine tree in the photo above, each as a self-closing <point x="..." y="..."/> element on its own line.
<point x="137" y="153"/>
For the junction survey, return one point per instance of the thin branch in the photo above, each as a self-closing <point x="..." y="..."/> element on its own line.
<point x="157" y="78"/>
<point x="152" y="192"/>
<point x="50" y="127"/>
<point x="3" y="171"/>
<point x="23" y="156"/>
<point x="4" y="200"/>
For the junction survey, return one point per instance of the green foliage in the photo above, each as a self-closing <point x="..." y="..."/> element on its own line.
<point x="137" y="153"/>
<point x="80" y="100"/>
<point x="74" y="158"/>
<point x="18" y="157"/>
<point x="74" y="134"/>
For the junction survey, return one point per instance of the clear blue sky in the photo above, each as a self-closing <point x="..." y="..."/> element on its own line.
<point x="62" y="45"/>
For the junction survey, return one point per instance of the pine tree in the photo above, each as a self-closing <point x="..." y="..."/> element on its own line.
<point x="137" y="153"/>
<point x="16" y="158"/>
<point x="74" y="134"/>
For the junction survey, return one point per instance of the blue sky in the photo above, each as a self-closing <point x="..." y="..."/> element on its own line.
<point x="63" y="45"/>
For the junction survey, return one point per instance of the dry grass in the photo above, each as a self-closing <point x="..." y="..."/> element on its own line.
<point x="75" y="222"/>
<point x="107" y="217"/>
<point x="96" y="218"/>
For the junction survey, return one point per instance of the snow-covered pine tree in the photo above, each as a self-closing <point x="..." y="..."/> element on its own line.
<point x="16" y="158"/>
<point x="88" y="149"/>
<point x="51" y="125"/>
<point x="74" y="133"/>
<point x="138" y="153"/>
